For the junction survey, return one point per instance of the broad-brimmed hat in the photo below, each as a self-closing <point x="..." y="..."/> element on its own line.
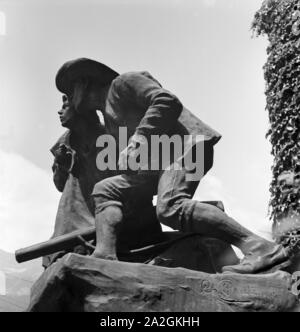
<point x="83" y="67"/>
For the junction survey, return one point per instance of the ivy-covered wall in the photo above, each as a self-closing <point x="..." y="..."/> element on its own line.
<point x="279" y="20"/>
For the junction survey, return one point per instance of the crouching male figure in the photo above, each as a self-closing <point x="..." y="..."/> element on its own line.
<point x="138" y="102"/>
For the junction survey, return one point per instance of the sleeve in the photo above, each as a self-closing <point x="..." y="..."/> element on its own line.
<point x="161" y="109"/>
<point x="60" y="173"/>
<point x="60" y="176"/>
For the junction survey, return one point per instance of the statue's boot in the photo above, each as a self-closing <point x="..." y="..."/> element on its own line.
<point x="261" y="257"/>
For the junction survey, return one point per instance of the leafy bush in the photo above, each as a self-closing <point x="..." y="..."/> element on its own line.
<point x="279" y="20"/>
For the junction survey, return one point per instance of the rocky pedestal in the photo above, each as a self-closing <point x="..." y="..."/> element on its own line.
<point x="84" y="284"/>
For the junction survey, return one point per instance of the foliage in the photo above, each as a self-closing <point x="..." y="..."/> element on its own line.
<point x="279" y="20"/>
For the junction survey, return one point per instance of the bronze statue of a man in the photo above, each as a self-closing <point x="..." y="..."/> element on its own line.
<point x="75" y="174"/>
<point x="139" y="103"/>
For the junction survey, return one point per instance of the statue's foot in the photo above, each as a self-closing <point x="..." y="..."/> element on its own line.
<point x="101" y="255"/>
<point x="263" y="257"/>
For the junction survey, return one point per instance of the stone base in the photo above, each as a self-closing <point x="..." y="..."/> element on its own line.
<point x="85" y="284"/>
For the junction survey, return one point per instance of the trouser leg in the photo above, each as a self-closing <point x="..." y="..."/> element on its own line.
<point x="213" y="222"/>
<point x="115" y="198"/>
<point x="107" y="224"/>
<point x="177" y="209"/>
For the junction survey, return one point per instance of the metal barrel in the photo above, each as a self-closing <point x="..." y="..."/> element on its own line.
<point x="60" y="243"/>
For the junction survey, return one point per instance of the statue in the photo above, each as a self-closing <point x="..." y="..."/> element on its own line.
<point x="139" y="103"/>
<point x="75" y="175"/>
<point x="141" y="238"/>
<point x="108" y="182"/>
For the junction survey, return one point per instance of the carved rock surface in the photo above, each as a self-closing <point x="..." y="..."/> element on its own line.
<point x="85" y="284"/>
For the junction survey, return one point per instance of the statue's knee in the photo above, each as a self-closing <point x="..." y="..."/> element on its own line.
<point x="97" y="188"/>
<point x="177" y="215"/>
<point x="167" y="215"/>
<point x="107" y="196"/>
<point x="102" y="187"/>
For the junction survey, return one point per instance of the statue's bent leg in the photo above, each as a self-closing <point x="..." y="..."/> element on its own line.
<point x="107" y="223"/>
<point x="108" y="217"/>
<point x="177" y="209"/>
<point x="114" y="198"/>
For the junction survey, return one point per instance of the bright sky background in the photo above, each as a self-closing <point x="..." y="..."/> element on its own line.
<point x="201" y="50"/>
<point x="2" y="24"/>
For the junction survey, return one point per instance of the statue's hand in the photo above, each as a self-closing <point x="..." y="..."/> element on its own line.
<point x="64" y="157"/>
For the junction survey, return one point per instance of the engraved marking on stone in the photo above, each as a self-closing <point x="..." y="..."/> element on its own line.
<point x="201" y="286"/>
<point x="225" y="289"/>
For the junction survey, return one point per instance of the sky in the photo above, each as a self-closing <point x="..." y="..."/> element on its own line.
<point x="201" y="50"/>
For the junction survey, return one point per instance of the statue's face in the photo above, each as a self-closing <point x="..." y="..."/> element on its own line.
<point x="67" y="113"/>
<point x="86" y="96"/>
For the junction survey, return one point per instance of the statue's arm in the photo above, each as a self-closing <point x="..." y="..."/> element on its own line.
<point x="64" y="159"/>
<point x="60" y="176"/>
<point x="161" y="109"/>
